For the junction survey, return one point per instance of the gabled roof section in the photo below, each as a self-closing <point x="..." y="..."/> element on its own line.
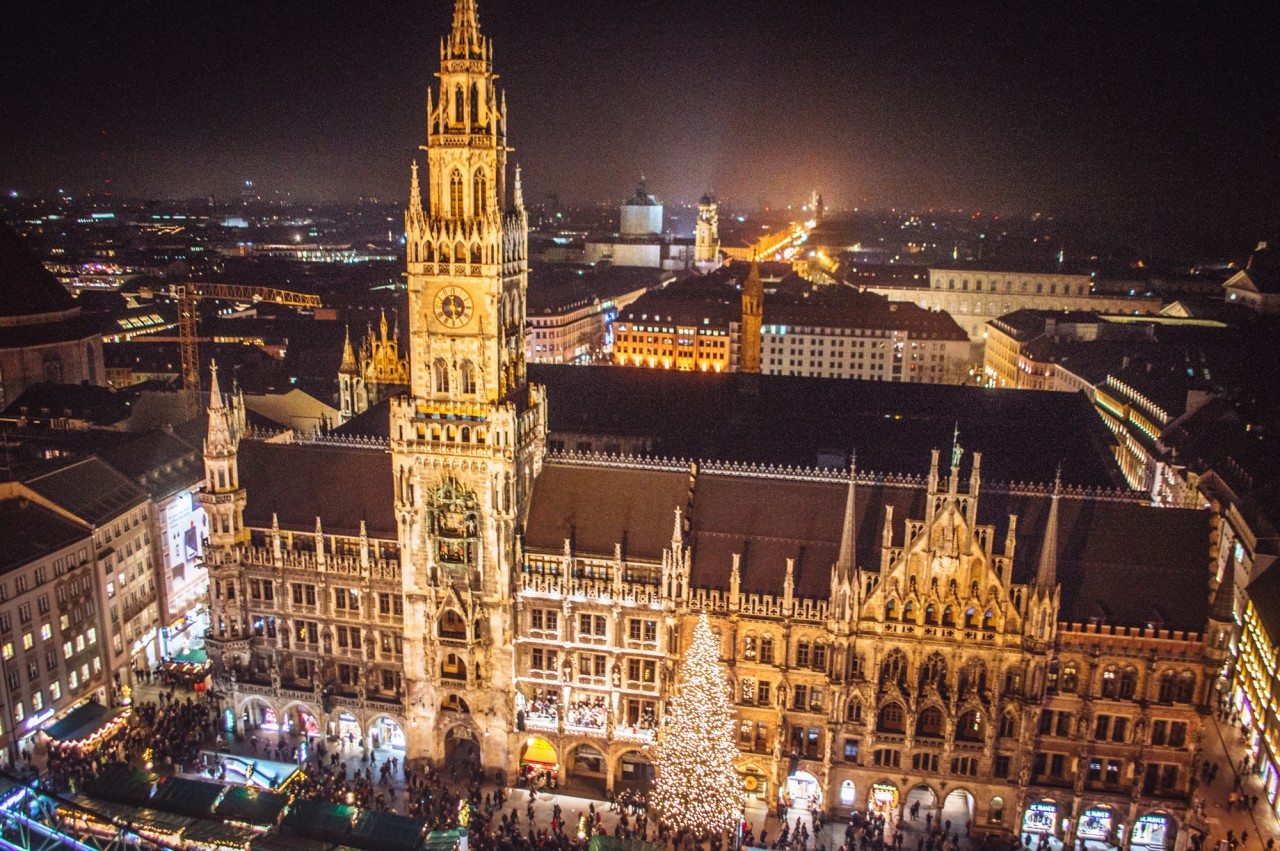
<point x="160" y="461"/>
<point x="33" y="531"/>
<point x="600" y="506"/>
<point x="91" y="489"/>
<point x="300" y="482"/>
<point x="27" y="289"/>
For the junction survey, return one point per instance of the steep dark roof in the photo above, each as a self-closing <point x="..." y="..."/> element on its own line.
<point x="1264" y="595"/>
<point x="160" y="461"/>
<point x="91" y="489"/>
<point x="32" y="531"/>
<point x="300" y="482"/>
<point x="639" y="511"/>
<point x="26" y="287"/>
<point x="1122" y="562"/>
<point x="797" y="421"/>
<point x="98" y="405"/>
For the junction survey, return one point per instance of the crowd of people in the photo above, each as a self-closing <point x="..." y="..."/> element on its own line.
<point x="588" y="712"/>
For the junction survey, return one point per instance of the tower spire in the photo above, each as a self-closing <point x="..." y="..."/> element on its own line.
<point x="844" y="565"/>
<point x="518" y="191"/>
<point x="348" y="354"/>
<point x="465" y="39"/>
<point x="215" y="394"/>
<point x="1047" y="568"/>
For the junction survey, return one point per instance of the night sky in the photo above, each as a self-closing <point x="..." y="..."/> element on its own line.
<point x="1166" y="112"/>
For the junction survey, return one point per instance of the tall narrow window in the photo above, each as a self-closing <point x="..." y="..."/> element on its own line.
<point x="480" y="191"/>
<point x="468" y="377"/>
<point x="442" y="376"/>
<point x="459" y="105"/>
<point x="455" y="195"/>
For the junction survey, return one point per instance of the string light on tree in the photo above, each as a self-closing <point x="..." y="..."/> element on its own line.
<point x="697" y="786"/>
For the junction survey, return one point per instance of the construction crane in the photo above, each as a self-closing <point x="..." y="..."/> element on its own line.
<point x="188" y="322"/>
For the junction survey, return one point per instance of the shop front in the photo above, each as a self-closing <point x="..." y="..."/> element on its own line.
<point x="755" y="784"/>
<point x="1154" y="831"/>
<point x="1040" y="819"/>
<point x="883" y="799"/>
<point x="1099" y="825"/>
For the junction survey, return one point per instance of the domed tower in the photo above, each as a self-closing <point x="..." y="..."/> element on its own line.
<point x="706" y="235"/>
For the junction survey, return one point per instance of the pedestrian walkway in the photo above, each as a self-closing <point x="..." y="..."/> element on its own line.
<point x="1225" y="744"/>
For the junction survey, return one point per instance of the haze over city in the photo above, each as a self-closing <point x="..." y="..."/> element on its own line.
<point x="1132" y="112"/>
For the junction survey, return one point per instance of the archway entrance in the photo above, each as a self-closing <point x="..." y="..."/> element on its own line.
<point x="1154" y="830"/>
<point x="539" y="763"/>
<point x="386" y="734"/>
<point x="1098" y="827"/>
<point x="635" y="771"/>
<point x="802" y="791"/>
<point x="883" y="799"/>
<point x="258" y="715"/>
<point x="587" y="768"/>
<point x="957" y="811"/>
<point x="922" y="805"/>
<point x="461" y="750"/>
<point x="347" y="729"/>
<point x="308" y="724"/>
<point x="1040" y="819"/>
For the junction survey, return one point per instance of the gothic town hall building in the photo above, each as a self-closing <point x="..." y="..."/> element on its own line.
<point x="471" y="576"/>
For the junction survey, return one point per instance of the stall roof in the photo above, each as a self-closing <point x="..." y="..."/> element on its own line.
<point x="193" y="798"/>
<point x="122" y="785"/>
<point x="375" y="831"/>
<point x="217" y="834"/>
<point x="284" y="842"/>
<point x="82" y="722"/>
<point x="442" y="840"/>
<point x="319" y="820"/>
<point x="135" y="817"/>
<point x="251" y="805"/>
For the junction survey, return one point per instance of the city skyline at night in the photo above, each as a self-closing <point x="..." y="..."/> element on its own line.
<point x="1121" y="113"/>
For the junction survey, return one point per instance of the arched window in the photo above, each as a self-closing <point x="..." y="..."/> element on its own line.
<point x="475" y="252"/>
<point x="475" y="106"/>
<point x="894" y="668"/>
<point x="891" y="719"/>
<point x="456" y="208"/>
<point x="846" y="793"/>
<point x="1128" y="683"/>
<point x="973" y="677"/>
<point x="971" y="727"/>
<point x="1008" y="726"/>
<point x="452" y="625"/>
<point x="1110" y="684"/>
<point x="989" y="620"/>
<point x="1070" y="679"/>
<point x="995" y="813"/>
<point x="430" y="255"/>
<point x="934" y="672"/>
<point x="468" y="377"/>
<point x="444" y="253"/>
<point x="1186" y="688"/>
<point x="441" y="370"/>
<point x="948" y="617"/>
<point x="453" y="668"/>
<point x="930" y="615"/>
<point x="459" y="105"/>
<point x="909" y="612"/>
<point x="480" y="192"/>
<point x="889" y="609"/>
<point x="853" y="711"/>
<point x="929" y="724"/>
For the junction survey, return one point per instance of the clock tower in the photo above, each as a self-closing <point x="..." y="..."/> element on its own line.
<point x="468" y="439"/>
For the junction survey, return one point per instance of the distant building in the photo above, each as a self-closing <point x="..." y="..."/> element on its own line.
<point x="571" y="312"/>
<point x="641" y="240"/>
<point x="43" y="336"/>
<point x="379" y="371"/>
<point x="685" y="325"/>
<point x="975" y="295"/>
<point x="172" y="472"/>
<point x="1257" y="286"/>
<point x="706" y="234"/>
<point x="118" y="511"/>
<point x="51" y="629"/>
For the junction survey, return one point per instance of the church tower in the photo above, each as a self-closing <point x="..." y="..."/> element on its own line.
<point x="468" y="438"/>
<point x="706" y="234"/>
<point x="752" y="317"/>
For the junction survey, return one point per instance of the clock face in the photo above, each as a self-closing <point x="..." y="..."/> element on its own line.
<point x="453" y="307"/>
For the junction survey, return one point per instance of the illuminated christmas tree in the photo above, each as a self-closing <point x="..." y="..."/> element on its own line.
<point x="697" y="786"/>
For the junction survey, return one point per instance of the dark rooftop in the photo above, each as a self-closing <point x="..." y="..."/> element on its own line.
<point x="91" y="489"/>
<point x="26" y="287"/>
<point x="160" y="461"/>
<point x="33" y="531"/>
<point x="809" y="422"/>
